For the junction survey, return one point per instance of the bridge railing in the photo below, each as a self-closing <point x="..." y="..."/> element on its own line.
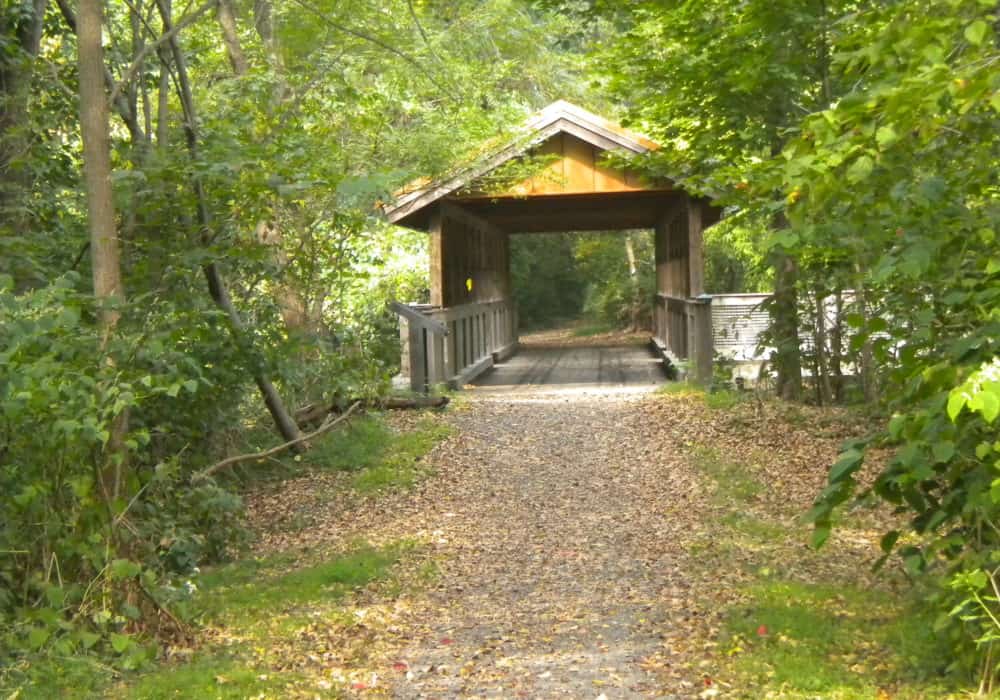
<point x="682" y="331"/>
<point x="455" y="345"/>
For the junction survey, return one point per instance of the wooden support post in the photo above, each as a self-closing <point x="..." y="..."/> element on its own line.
<point x="436" y="251"/>
<point x="696" y="255"/>
<point x="435" y="359"/>
<point x="418" y="358"/>
<point x="700" y="343"/>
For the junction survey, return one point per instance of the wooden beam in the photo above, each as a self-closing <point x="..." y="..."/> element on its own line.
<point x="415" y="318"/>
<point x="456" y="211"/>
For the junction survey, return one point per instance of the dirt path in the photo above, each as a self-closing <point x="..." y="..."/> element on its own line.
<point x="561" y="545"/>
<point x="582" y="548"/>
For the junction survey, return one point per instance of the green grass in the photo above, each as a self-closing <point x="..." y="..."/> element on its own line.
<point x="717" y="400"/>
<point x="732" y="480"/>
<point x="263" y="602"/>
<point x="256" y="602"/>
<point x="802" y="640"/>
<point x="220" y="675"/>
<point x="250" y="590"/>
<point x="398" y="462"/>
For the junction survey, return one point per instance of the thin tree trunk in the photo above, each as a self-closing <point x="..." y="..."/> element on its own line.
<point x="785" y="326"/>
<point x="636" y="305"/>
<point x="291" y="302"/>
<point x="104" y="246"/>
<point x="16" y="72"/>
<point x="216" y="284"/>
<point x="837" y="347"/>
<point x="104" y="249"/>
<point x="824" y="390"/>
<point x="120" y="103"/>
<point x="231" y="37"/>
<point x="163" y="94"/>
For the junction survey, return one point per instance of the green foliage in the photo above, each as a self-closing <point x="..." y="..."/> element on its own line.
<point x="866" y="135"/>
<point x="342" y="104"/>
<point x="564" y="277"/>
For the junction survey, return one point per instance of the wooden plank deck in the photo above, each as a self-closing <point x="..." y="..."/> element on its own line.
<point x="546" y="368"/>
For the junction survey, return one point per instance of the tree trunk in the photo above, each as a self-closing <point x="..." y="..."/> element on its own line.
<point x="291" y="302"/>
<point x="837" y="347"/>
<point x="231" y="37"/>
<point x="824" y="389"/>
<point x="636" y="304"/>
<point x="785" y="326"/>
<point x="104" y="249"/>
<point x="15" y="84"/>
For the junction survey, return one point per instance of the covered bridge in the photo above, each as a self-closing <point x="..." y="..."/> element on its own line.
<point x="470" y="216"/>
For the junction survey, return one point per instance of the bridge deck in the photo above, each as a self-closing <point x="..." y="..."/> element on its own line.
<point x="605" y="368"/>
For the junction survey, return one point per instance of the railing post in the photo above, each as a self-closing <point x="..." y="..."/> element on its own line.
<point x="450" y="366"/>
<point x="700" y="344"/>
<point x="435" y="359"/>
<point x="418" y="358"/>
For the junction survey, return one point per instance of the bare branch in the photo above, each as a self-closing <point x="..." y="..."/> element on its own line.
<point x="327" y="426"/>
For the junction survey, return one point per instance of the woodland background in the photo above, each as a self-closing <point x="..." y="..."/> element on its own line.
<point x="189" y="251"/>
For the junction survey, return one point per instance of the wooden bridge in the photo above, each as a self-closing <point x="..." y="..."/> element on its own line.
<point x="470" y="215"/>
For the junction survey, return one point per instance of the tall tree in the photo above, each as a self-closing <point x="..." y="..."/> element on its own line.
<point x="94" y="130"/>
<point x="721" y="84"/>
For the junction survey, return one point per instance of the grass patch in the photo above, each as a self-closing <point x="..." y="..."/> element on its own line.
<point x="732" y="481"/>
<point x="265" y="603"/>
<point x="260" y="604"/>
<point x="720" y="399"/>
<point x="221" y="676"/>
<point x="250" y="590"/>
<point x="723" y="399"/>
<point x="755" y="529"/>
<point x="357" y="445"/>
<point x="399" y="459"/>
<point x="809" y="641"/>
<point x="680" y="389"/>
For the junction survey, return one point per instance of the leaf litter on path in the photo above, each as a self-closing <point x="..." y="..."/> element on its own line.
<point x="577" y="548"/>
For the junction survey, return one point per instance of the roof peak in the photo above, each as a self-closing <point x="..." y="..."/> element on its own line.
<point x="561" y="116"/>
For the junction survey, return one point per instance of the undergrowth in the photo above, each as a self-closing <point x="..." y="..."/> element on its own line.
<point x="798" y="630"/>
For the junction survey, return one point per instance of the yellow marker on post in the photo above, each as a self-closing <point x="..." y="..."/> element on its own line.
<point x="468" y="283"/>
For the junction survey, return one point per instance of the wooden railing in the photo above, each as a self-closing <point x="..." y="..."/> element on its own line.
<point x="454" y="345"/>
<point x="682" y="331"/>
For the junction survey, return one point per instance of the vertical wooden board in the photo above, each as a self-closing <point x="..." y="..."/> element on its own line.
<point x="551" y="179"/>
<point x="660" y="246"/>
<point x="696" y="261"/>
<point x="436" y="254"/>
<point x="608" y="179"/>
<point x="578" y="165"/>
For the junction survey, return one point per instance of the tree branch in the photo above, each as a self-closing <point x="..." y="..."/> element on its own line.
<point x="327" y="426"/>
<point x="164" y="38"/>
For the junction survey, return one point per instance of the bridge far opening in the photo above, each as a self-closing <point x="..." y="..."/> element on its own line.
<point x="585" y="303"/>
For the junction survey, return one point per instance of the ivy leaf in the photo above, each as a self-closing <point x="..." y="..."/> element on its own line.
<point x="847" y="464"/>
<point x="120" y="642"/>
<point x="943" y="451"/>
<point x="956" y="402"/>
<point x="976" y="32"/>
<point x="886" y="136"/>
<point x="860" y="169"/>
